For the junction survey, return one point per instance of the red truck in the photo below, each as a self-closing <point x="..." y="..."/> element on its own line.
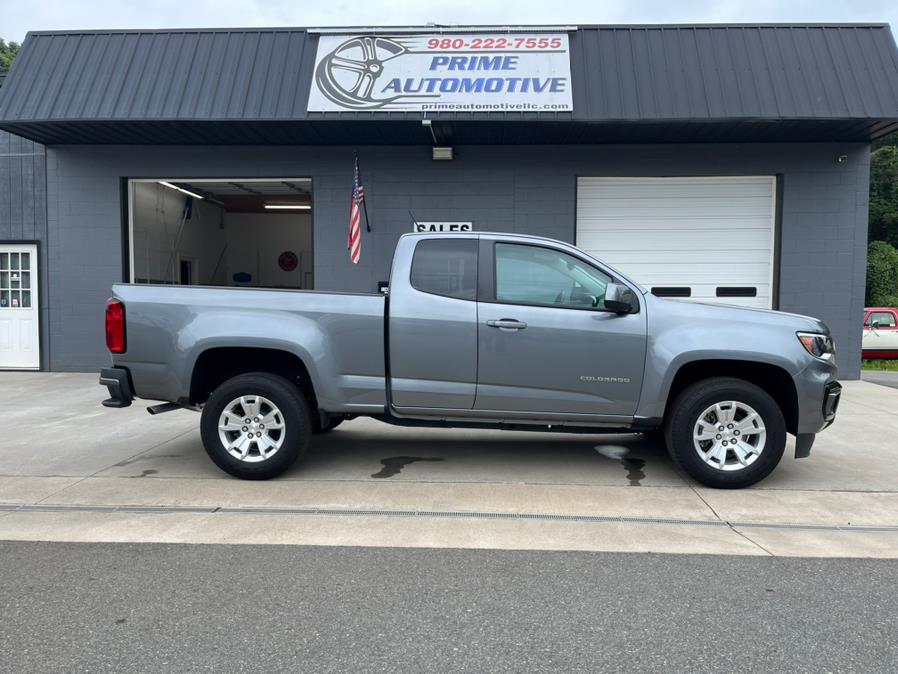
<point x="880" y="332"/>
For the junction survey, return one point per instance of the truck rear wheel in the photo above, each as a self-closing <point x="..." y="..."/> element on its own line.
<point x="255" y="426"/>
<point x="726" y="433"/>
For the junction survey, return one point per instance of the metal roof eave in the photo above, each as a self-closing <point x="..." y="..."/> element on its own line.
<point x="654" y="74"/>
<point x="450" y="132"/>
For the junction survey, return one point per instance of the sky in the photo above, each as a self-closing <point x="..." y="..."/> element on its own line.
<point x="17" y="17"/>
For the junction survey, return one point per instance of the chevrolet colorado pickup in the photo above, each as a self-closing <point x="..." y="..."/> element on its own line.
<point x="477" y="330"/>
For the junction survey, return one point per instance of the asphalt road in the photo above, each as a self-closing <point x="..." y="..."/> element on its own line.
<point x="143" y="607"/>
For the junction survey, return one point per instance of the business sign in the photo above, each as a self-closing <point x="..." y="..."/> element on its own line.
<point x="520" y="72"/>
<point x="443" y="227"/>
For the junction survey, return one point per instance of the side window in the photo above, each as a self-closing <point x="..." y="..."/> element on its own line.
<point x="15" y="280"/>
<point x="537" y="275"/>
<point x="886" y="319"/>
<point x="446" y="267"/>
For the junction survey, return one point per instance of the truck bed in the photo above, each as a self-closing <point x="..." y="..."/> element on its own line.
<point x="169" y="327"/>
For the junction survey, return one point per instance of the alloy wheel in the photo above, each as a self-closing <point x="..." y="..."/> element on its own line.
<point x="729" y="435"/>
<point x="251" y="428"/>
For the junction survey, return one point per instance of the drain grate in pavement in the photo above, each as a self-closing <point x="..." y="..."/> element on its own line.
<point x="439" y="514"/>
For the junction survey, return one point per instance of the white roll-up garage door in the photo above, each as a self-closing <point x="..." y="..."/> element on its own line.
<point x="705" y="238"/>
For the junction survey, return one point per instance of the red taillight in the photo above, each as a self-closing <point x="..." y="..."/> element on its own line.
<point x="115" y="326"/>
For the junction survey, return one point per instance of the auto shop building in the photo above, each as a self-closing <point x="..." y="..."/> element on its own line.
<point x="713" y="163"/>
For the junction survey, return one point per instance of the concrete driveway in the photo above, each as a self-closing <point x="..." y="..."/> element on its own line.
<point x="881" y="377"/>
<point x="85" y="473"/>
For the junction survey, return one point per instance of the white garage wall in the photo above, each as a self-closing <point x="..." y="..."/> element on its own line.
<point x="698" y="232"/>
<point x="156" y="213"/>
<point x="256" y="240"/>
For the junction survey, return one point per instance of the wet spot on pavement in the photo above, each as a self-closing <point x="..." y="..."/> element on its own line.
<point x="634" y="467"/>
<point x="634" y="470"/>
<point x="394" y="464"/>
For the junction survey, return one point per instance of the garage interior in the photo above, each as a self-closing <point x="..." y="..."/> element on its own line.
<point x="247" y="232"/>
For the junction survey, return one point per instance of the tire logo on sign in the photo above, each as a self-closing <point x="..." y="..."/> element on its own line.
<point x="288" y="260"/>
<point x="347" y="75"/>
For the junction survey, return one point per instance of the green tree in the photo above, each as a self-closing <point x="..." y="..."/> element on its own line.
<point x="8" y="51"/>
<point x="884" y="195"/>
<point x="890" y="139"/>
<point x="882" y="275"/>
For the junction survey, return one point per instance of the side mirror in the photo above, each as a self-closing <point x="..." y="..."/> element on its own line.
<point x="619" y="298"/>
<point x="875" y="325"/>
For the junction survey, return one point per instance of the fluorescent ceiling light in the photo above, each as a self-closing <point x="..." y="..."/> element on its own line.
<point x="181" y="189"/>
<point x="295" y="207"/>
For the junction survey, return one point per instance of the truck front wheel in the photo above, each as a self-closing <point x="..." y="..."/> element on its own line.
<point x="726" y="433"/>
<point x="255" y="426"/>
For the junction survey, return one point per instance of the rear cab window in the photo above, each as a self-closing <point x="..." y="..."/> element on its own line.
<point x="446" y="267"/>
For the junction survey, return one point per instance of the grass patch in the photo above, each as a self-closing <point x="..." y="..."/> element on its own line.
<point x="889" y="365"/>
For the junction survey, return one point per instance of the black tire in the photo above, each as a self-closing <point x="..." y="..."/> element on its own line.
<point x="684" y="414"/>
<point x="296" y="421"/>
<point x="332" y="423"/>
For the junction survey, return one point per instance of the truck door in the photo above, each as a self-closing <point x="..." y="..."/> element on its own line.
<point x="546" y="342"/>
<point x="433" y="324"/>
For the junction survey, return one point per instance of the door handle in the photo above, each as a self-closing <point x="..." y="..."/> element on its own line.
<point x="507" y="324"/>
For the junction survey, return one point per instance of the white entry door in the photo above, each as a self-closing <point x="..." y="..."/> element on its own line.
<point x="19" y="332"/>
<point x="709" y="239"/>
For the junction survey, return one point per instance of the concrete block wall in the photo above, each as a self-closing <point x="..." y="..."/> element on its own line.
<point x="23" y="208"/>
<point x="526" y="189"/>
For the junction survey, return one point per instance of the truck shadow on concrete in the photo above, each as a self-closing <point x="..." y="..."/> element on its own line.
<point x="485" y="456"/>
<point x="362" y="450"/>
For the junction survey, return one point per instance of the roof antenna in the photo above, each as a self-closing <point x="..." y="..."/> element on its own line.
<point x="414" y="221"/>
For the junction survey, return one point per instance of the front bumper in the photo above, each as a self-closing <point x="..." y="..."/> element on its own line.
<point x="832" y="393"/>
<point x="818" y="394"/>
<point x="117" y="380"/>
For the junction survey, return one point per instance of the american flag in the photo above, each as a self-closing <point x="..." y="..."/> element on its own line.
<point x="354" y="241"/>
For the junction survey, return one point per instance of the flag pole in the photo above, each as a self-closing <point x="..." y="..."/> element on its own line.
<point x="365" y="200"/>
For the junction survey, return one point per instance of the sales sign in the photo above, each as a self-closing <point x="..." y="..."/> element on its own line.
<point x="443" y="227"/>
<point x="520" y="72"/>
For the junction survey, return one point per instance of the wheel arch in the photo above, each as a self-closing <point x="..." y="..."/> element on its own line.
<point x="774" y="380"/>
<point x="216" y="365"/>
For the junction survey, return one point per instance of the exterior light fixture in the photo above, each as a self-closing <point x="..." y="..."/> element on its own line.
<point x="286" y="207"/>
<point x="442" y="154"/>
<point x="181" y="189"/>
<point x="428" y="124"/>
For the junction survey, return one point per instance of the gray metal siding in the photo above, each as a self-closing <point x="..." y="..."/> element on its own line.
<point x="734" y="72"/>
<point x="242" y="74"/>
<point x="519" y="189"/>
<point x="645" y="73"/>
<point x="22" y="189"/>
<point x="23" y="207"/>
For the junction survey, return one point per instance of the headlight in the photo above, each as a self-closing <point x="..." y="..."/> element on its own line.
<point x="817" y="344"/>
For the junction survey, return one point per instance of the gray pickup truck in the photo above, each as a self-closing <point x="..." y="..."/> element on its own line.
<point x="476" y="330"/>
